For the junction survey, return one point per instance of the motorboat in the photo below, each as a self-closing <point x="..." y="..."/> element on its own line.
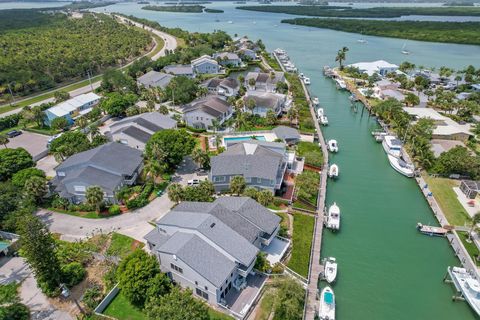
<point x="320" y="112"/>
<point x="332" y="145"/>
<point x="324" y="120"/>
<point x="399" y="165"/>
<point x="301" y="75"/>
<point x="467" y="285"/>
<point x="432" y="231"/>
<point x="341" y="84"/>
<point x="333" y="171"/>
<point x="306" y="80"/>
<point x="326" y="307"/>
<point x="330" y="269"/>
<point x="362" y="41"/>
<point x="392" y="145"/>
<point x="315" y="101"/>
<point x="230" y="22"/>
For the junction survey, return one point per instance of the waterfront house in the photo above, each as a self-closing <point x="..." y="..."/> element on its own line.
<point x="109" y="166"/>
<point x="265" y="101"/>
<point x="72" y="108"/>
<point x="211" y="247"/>
<point x="136" y="131"/>
<point x="180" y="70"/>
<point x="202" y="113"/>
<point x="264" y="81"/>
<point x="227" y="59"/>
<point x="288" y="135"/>
<point x="205" y="65"/>
<point x="381" y="67"/>
<point x="247" y="53"/>
<point x="227" y="87"/>
<point x="263" y="165"/>
<point x="154" y="79"/>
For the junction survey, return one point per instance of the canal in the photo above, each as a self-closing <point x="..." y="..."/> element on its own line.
<point x="387" y="270"/>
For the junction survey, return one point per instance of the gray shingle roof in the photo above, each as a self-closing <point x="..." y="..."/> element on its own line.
<point x="156" y="237"/>
<point x="248" y="166"/>
<point x="265" y="99"/>
<point x="92" y="177"/>
<point x="286" y="133"/>
<point x="212" y="105"/>
<point x="155" y="79"/>
<point x="153" y="121"/>
<point x="179" y="69"/>
<point x="137" y="133"/>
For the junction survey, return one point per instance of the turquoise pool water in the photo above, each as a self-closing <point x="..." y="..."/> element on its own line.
<point x="3" y="245"/>
<point x="244" y="138"/>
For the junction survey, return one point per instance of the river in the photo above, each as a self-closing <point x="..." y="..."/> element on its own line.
<point x="387" y="270"/>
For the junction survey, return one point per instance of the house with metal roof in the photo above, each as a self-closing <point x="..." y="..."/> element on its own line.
<point x="72" y="108"/>
<point x="265" y="101"/>
<point x="381" y="67"/>
<point x="211" y="247"/>
<point x="228" y="59"/>
<point x="262" y="164"/>
<point x="135" y="131"/>
<point x="202" y="113"/>
<point x="264" y="81"/>
<point x="154" y="79"/>
<point x="109" y="166"/>
<point x="205" y="65"/>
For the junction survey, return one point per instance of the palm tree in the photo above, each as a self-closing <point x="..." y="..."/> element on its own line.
<point x="175" y="192"/>
<point x="341" y="56"/>
<point x="94" y="131"/>
<point x="239" y="105"/>
<point x="202" y="92"/>
<point x="237" y="185"/>
<point x="241" y="121"/>
<point x="474" y="221"/>
<point x="251" y="104"/>
<point x="215" y="125"/>
<point x="292" y="114"/>
<point x="151" y="169"/>
<point x="4" y="140"/>
<point x="94" y="197"/>
<point x="458" y="78"/>
<point x="82" y="122"/>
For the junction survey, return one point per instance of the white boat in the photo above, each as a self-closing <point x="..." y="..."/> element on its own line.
<point x="315" y="101"/>
<point x="320" y="112"/>
<point x="362" y="41"/>
<point x="432" y="231"/>
<point x="401" y="166"/>
<point x="333" y="171"/>
<point x="324" y="120"/>
<point x="332" y="145"/>
<point x="301" y="75"/>
<point x="392" y="145"/>
<point x="326" y="305"/>
<point x="330" y="269"/>
<point x="404" y="50"/>
<point x="341" y="84"/>
<point x="230" y="21"/>
<point x="466" y="284"/>
<point x="306" y="80"/>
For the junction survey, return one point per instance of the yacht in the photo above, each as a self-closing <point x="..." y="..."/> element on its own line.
<point x="332" y="145"/>
<point x="306" y="80"/>
<point x="466" y="284"/>
<point x="330" y="269"/>
<point x="324" y="120"/>
<point x="333" y="171"/>
<point x="392" y="145"/>
<point x="320" y="112"/>
<point x="432" y="231"/>
<point x="341" y="84"/>
<point x="315" y="101"/>
<point x="399" y="165"/>
<point x="301" y="75"/>
<point x="326" y="307"/>
<point x="333" y="217"/>
<point x="230" y="22"/>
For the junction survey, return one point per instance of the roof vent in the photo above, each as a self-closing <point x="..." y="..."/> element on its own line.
<point x="212" y="225"/>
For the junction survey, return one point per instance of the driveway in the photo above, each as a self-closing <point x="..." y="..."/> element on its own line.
<point x="47" y="164"/>
<point x="34" y="143"/>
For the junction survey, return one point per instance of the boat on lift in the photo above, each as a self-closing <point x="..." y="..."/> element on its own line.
<point x="330" y="269"/>
<point x="332" y="220"/>
<point x="301" y="75"/>
<point x="315" y="101"/>
<point x="332" y="145"/>
<point x="320" y="113"/>
<point x="324" y="120"/>
<point x="333" y="171"/>
<point x="306" y="80"/>
<point x="326" y="305"/>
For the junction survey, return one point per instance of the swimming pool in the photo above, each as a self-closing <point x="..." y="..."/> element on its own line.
<point x="3" y="244"/>
<point x="243" y="138"/>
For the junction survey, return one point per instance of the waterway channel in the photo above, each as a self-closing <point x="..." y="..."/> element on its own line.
<point x="387" y="270"/>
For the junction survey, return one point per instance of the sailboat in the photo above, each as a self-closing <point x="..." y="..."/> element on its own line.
<point x="404" y="50"/>
<point x="362" y="40"/>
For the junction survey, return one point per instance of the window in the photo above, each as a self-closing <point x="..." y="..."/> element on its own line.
<point x="206" y="288"/>
<point x="196" y="283"/>
<point x="219" y="179"/>
<point x="79" y="188"/>
<point x="201" y="294"/>
<point x="176" y="268"/>
<point x="61" y="174"/>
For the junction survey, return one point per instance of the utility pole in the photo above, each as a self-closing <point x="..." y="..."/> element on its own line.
<point x="89" y="79"/>
<point x="11" y="93"/>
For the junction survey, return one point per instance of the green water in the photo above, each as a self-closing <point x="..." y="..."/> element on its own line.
<point x="387" y="270"/>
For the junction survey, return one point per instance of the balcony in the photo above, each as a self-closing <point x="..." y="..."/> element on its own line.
<point x="245" y="270"/>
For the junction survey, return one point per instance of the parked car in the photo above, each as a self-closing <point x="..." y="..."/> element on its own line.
<point x="13" y="133"/>
<point x="193" y="182"/>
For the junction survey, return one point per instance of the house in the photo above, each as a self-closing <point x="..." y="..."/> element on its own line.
<point x="262" y="164"/>
<point x="470" y="188"/>
<point x="265" y="101"/>
<point x="72" y="108"/>
<point x="389" y="93"/>
<point x="211" y="247"/>
<point x="205" y="65"/>
<point x="246" y="52"/>
<point x="445" y="128"/>
<point x="287" y="134"/>
<point x="227" y="87"/>
<point x="180" y="70"/>
<point x="228" y="59"/>
<point x="109" y="166"/>
<point x="136" y="131"/>
<point x="386" y="84"/>
<point x="264" y="81"/>
<point x="202" y="113"/>
<point x="380" y="66"/>
<point x="154" y="79"/>
<point x="476" y="87"/>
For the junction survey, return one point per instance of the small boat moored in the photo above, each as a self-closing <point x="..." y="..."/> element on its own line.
<point x="402" y="167"/>
<point x="433" y="231"/>
<point x="333" y="171"/>
<point x="330" y="269"/>
<point x="306" y="80"/>
<point x="326" y="308"/>
<point x="320" y="113"/>
<point x="324" y="120"/>
<point x="332" y="145"/>
<point x="315" y="101"/>
<point x="341" y="84"/>
<point x="332" y="220"/>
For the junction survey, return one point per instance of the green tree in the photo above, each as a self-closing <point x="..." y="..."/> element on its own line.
<point x="473" y="224"/>
<point x="458" y="160"/>
<point x="271" y="118"/>
<point x="61" y="96"/>
<point x="163" y="109"/>
<point x="181" y="90"/>
<point x="9" y="199"/>
<point x="38" y="115"/>
<point x="251" y="192"/>
<point x="35" y="188"/>
<point x="4" y="140"/>
<point x="411" y="100"/>
<point x="175" y="192"/>
<point x="94" y="197"/>
<point x="289" y="299"/>
<point x="265" y="197"/>
<point x="341" y="56"/>
<point x="177" y="305"/>
<point x="237" y="185"/>
<point x="12" y="161"/>
<point x="116" y="104"/>
<point x="15" y="311"/>
<point x="251" y="104"/>
<point x="68" y="144"/>
<point x="38" y="247"/>
<point x="201" y="158"/>
<point x="82" y="122"/>
<point x="59" y="123"/>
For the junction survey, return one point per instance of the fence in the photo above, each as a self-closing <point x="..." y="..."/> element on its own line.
<point x="106" y="301"/>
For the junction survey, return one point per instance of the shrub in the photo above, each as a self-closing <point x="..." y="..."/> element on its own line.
<point x="114" y="209"/>
<point x="20" y="177"/>
<point x="278" y="268"/>
<point x="73" y="273"/>
<point x="16" y="311"/>
<point x="92" y="297"/>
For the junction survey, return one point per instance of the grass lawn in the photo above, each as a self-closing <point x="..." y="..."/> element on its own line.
<point x="8" y="292"/>
<point x="312" y="153"/>
<point x="447" y="199"/>
<point x="121" y="309"/>
<point x="470" y="246"/>
<point x="122" y="245"/>
<point x="266" y="304"/>
<point x="303" y="226"/>
<point x="217" y="315"/>
<point x="302" y="205"/>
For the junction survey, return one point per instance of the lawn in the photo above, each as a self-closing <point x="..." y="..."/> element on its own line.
<point x="121" y="309"/>
<point x="122" y="245"/>
<point x="470" y="246"/>
<point x="303" y="226"/>
<point x="217" y="315"/>
<point x="447" y="199"/>
<point x="8" y="292"/>
<point x="266" y="304"/>
<point x="312" y="153"/>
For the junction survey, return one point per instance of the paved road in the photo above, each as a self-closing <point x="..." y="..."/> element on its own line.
<point x="170" y="44"/>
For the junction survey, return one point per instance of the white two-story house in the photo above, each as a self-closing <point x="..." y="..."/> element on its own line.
<point x="202" y="113"/>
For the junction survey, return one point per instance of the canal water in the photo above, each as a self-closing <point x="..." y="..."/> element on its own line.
<point x="386" y="269"/>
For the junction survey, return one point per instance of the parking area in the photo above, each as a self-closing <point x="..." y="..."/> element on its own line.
<point x="34" y="143"/>
<point x="187" y="171"/>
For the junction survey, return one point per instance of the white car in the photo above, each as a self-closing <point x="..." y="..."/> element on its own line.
<point x="193" y="182"/>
